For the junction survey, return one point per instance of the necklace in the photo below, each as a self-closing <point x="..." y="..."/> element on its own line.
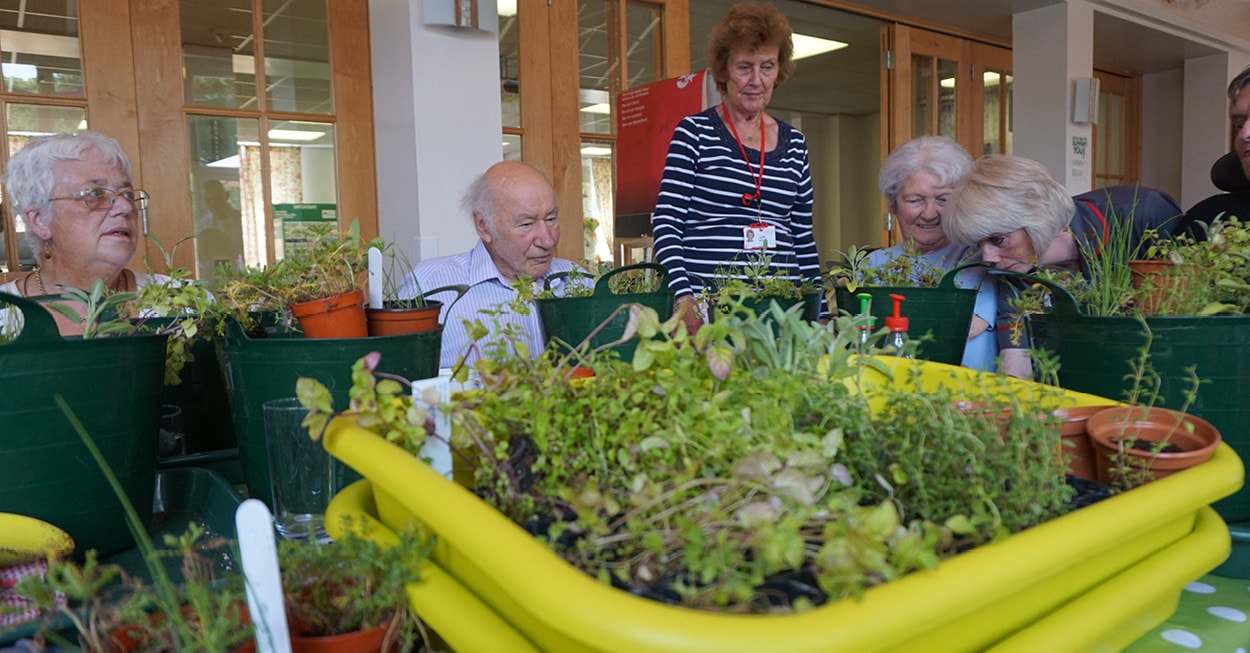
<point x="39" y="280"/>
<point x="116" y="287"/>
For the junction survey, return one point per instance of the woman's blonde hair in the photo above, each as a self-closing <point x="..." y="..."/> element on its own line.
<point x="1005" y="193"/>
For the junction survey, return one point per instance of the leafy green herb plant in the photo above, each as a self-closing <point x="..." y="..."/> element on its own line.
<point x="353" y="584"/>
<point x="718" y="462"/>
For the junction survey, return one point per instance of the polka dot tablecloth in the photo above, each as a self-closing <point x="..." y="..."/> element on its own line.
<point x="1214" y="615"/>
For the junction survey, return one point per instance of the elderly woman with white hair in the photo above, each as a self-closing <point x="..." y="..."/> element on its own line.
<point x="1021" y="217"/>
<point x="75" y="195"/>
<point x="916" y="181"/>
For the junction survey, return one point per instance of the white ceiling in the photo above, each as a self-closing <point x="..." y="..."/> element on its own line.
<point x="848" y="81"/>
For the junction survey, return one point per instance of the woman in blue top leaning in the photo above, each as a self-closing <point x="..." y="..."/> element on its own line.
<point x="916" y="180"/>
<point x="736" y="183"/>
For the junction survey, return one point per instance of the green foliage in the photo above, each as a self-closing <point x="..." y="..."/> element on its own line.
<point x="330" y="264"/>
<point x="396" y="267"/>
<point x="353" y="583"/>
<point x="103" y="600"/>
<point x="191" y="311"/>
<point x="1207" y="276"/>
<point x="908" y="270"/>
<point x="380" y="403"/>
<point x="716" y="461"/>
<point x="755" y="278"/>
<point x="96" y="310"/>
<point x="200" y="614"/>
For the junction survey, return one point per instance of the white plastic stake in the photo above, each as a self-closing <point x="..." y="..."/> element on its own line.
<point x="259" y="554"/>
<point x="375" y="278"/>
<point x="436" y="450"/>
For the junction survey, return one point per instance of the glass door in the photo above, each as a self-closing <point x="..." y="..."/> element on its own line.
<point x="1116" y="134"/>
<point x="936" y="84"/>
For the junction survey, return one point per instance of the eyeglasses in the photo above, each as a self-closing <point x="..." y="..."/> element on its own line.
<point x="102" y="197"/>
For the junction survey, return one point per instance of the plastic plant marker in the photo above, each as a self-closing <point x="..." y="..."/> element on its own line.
<point x="258" y="554"/>
<point x="375" y="277"/>
<point x="437" y="450"/>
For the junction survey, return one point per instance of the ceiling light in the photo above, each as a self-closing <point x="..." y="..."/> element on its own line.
<point x="228" y="162"/>
<point x="507" y="7"/>
<point x="596" y="150"/>
<point x="292" y="135"/>
<point x="810" y="46"/>
<point x="990" y="78"/>
<point x="597" y="108"/>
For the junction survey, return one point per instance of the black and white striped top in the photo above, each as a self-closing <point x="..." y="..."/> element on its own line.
<point x="700" y="216"/>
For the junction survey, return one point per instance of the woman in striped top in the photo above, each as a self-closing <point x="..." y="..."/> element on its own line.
<point x="736" y="181"/>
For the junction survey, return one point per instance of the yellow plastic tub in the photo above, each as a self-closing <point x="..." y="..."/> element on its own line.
<point x="513" y="586"/>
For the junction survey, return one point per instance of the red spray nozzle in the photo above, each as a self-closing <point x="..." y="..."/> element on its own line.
<point x="896" y="322"/>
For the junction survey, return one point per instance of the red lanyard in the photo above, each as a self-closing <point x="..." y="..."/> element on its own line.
<point x="747" y="198"/>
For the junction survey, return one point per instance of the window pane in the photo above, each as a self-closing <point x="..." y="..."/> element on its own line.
<point x="646" y="51"/>
<point x="43" y="57"/>
<point x="223" y="215"/>
<point x="26" y="121"/>
<point x="947" y="73"/>
<point x="598" y="199"/>
<point x="509" y="65"/>
<point x="301" y="177"/>
<point x="994" y="115"/>
<point x="512" y="147"/>
<point x="218" y="53"/>
<point x="297" y="56"/>
<point x="598" y="64"/>
<point x="922" y="102"/>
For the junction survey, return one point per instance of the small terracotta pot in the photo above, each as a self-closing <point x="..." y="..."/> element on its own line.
<point x="126" y="638"/>
<point x="361" y="641"/>
<point x="390" y="321"/>
<point x="1001" y="414"/>
<point x="1195" y="437"/>
<point x="1166" y="288"/>
<point x="341" y="316"/>
<point x="1076" y="446"/>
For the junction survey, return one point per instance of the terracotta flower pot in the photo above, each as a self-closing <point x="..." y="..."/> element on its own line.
<point x="1113" y="432"/>
<point x="341" y="316"/>
<point x="391" y="321"/>
<point x="1165" y="285"/>
<point x="1074" y="436"/>
<point x="361" y="641"/>
<point x="131" y="638"/>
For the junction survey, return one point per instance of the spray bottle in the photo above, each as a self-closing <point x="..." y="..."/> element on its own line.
<point x="868" y="322"/>
<point x="897" y="324"/>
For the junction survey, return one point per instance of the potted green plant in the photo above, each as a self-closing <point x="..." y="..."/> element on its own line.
<point x="938" y="312"/>
<point x="754" y="287"/>
<point x="621" y="489"/>
<point x="319" y="281"/>
<point x="695" y="472"/>
<point x="322" y="283"/>
<point x="1097" y="329"/>
<point x="398" y="315"/>
<point x="348" y="595"/>
<point x="113" y="377"/>
<point x="113" y="612"/>
<point x="586" y="310"/>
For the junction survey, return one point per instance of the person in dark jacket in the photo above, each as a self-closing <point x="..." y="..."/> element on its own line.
<point x="1231" y="172"/>
<point x="1021" y="217"/>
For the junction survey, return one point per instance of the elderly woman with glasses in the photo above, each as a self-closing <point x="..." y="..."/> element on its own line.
<point x="74" y="193"/>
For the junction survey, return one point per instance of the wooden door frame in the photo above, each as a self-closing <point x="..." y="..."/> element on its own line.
<point x="550" y="122"/>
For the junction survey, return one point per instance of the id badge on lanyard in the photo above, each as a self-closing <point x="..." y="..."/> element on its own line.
<point x="759" y="235"/>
